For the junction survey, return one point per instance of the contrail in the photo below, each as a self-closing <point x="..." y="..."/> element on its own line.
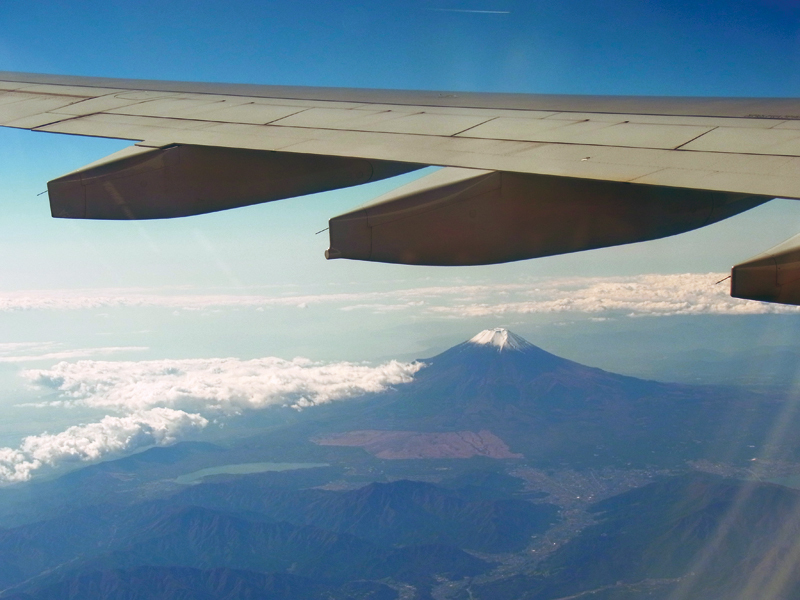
<point x="465" y="10"/>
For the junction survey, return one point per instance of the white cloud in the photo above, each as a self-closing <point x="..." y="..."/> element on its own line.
<point x="156" y="426"/>
<point x="162" y="400"/>
<point x="638" y="296"/>
<point x="641" y="295"/>
<point x="221" y="385"/>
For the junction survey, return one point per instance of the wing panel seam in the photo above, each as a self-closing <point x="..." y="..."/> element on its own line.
<point x="459" y="133"/>
<point x="678" y="147"/>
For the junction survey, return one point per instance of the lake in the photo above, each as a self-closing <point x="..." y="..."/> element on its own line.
<point x="244" y="469"/>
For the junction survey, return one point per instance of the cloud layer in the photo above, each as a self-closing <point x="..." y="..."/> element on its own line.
<point x="159" y="402"/>
<point x="640" y="295"/>
<point x="157" y="426"/>
<point x="217" y="385"/>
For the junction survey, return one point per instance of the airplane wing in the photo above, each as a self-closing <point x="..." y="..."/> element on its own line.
<point x="524" y="175"/>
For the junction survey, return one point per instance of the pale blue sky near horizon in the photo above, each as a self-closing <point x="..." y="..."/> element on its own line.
<point x="730" y="48"/>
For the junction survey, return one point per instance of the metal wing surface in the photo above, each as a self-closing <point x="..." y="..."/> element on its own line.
<point x="524" y="176"/>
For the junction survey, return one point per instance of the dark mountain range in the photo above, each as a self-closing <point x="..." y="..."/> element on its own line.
<point x="397" y="513"/>
<point x="174" y="533"/>
<point x="180" y="583"/>
<point x="200" y="538"/>
<point x="690" y="536"/>
<point x="693" y="536"/>
<point x="555" y="411"/>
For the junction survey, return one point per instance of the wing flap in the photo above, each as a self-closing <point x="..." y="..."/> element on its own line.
<point x="736" y="140"/>
<point x="224" y="111"/>
<point x="388" y="121"/>
<point x="91" y="106"/>
<point x="168" y="108"/>
<point x="19" y="106"/>
<point x="592" y="132"/>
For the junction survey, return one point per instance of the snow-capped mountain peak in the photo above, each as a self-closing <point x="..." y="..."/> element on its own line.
<point x="500" y="338"/>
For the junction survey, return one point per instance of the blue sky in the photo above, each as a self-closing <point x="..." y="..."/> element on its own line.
<point x="281" y="298"/>
<point x="627" y="47"/>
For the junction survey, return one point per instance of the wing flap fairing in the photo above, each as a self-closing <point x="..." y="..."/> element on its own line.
<point x="773" y="276"/>
<point x="183" y="180"/>
<point x="471" y="217"/>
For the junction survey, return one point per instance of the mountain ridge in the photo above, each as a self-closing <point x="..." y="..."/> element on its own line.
<point x="553" y="410"/>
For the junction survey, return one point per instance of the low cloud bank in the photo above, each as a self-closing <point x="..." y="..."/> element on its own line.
<point x="639" y="295"/>
<point x="157" y="426"/>
<point x="159" y="402"/>
<point x="219" y="385"/>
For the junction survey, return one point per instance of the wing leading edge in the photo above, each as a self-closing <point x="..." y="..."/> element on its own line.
<point x="524" y="176"/>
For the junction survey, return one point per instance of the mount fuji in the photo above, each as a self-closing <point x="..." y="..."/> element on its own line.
<point x="510" y="399"/>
